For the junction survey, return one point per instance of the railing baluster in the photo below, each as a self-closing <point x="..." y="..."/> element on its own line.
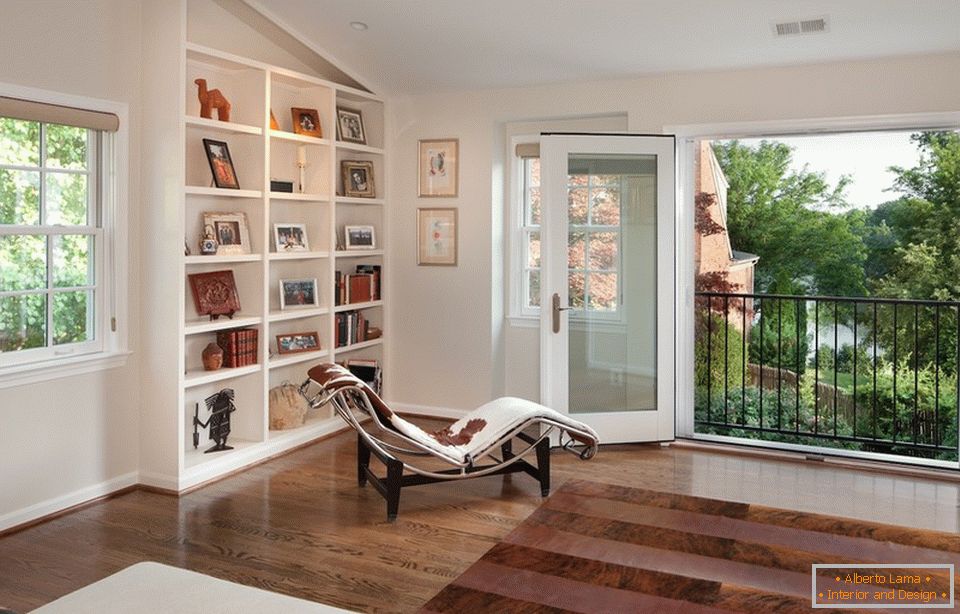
<point x="798" y="366"/>
<point x="709" y="359"/>
<point x="875" y="331"/>
<point x="916" y="368"/>
<point x="936" y="376"/>
<point x="836" y="344"/>
<point x="779" y="363"/>
<point x="726" y="356"/>
<point x="855" y="352"/>
<point x="743" y="365"/>
<point x="760" y="376"/>
<point x="895" y="373"/>
<point x="816" y="366"/>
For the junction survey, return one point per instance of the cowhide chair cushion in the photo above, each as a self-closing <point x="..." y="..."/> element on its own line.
<point x="463" y="440"/>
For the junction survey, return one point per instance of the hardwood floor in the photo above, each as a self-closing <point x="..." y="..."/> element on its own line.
<point x="299" y="525"/>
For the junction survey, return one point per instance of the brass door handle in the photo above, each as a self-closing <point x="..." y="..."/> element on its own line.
<point x="556" y="312"/>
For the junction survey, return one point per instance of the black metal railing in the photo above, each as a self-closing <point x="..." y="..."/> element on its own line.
<point x="868" y="374"/>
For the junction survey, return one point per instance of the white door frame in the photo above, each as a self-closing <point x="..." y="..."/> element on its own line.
<point x="643" y="425"/>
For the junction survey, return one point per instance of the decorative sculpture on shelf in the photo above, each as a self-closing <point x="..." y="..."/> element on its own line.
<point x="220" y="406"/>
<point x="212" y="99"/>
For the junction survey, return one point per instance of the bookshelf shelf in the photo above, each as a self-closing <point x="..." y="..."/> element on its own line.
<point x="356" y="200"/>
<point x="214" y="259"/>
<point x="358" y="253"/>
<point x="356" y="306"/>
<point x="298" y="138"/>
<point x="219" y="126"/>
<point x="199" y="377"/>
<point x="298" y="255"/>
<point x="205" y="325"/>
<point x="224" y="192"/>
<point x="293" y="359"/>
<point x="359" y="346"/>
<point x="359" y="148"/>
<point x="297" y="314"/>
<point x="317" y="198"/>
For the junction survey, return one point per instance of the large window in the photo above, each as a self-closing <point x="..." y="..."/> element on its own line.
<point x="51" y="241"/>
<point x="593" y="249"/>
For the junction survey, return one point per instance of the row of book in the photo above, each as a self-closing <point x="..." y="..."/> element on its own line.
<point x="239" y="346"/>
<point x="351" y="327"/>
<point x="359" y="287"/>
<point x="368" y="370"/>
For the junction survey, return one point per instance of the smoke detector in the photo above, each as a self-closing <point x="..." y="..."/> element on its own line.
<point x="813" y="25"/>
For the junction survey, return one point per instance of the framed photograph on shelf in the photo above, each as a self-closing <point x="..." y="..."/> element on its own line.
<point x="221" y="164"/>
<point x="306" y="122"/>
<point x="295" y="343"/>
<point x="230" y="230"/>
<point x="350" y="126"/>
<point x="439" y="167"/>
<point x="215" y="293"/>
<point x="437" y="236"/>
<point x="288" y="237"/>
<point x="358" y="178"/>
<point x="359" y="237"/>
<point x="298" y="293"/>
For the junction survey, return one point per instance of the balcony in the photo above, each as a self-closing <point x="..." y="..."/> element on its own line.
<point x="851" y="375"/>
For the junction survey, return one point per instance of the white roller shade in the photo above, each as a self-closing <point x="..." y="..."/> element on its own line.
<point x="57" y="114"/>
<point x="528" y="150"/>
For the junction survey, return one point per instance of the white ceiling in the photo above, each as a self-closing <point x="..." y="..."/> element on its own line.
<point x="423" y="45"/>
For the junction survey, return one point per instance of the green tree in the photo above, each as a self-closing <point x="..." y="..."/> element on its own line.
<point x="800" y="226"/>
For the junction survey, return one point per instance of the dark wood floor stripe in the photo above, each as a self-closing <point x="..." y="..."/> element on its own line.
<point x="550" y="539"/>
<point x="670" y="586"/>
<point x="774" y="557"/>
<point x="767" y="515"/>
<point x="576" y="596"/>
<point x="456" y="598"/>
<point x="862" y="549"/>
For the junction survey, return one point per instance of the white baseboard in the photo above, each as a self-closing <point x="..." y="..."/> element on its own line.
<point x="427" y="410"/>
<point x="56" y="504"/>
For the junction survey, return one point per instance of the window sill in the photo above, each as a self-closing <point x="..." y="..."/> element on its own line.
<point x="22" y="375"/>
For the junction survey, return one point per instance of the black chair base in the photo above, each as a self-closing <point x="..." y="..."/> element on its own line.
<point x="389" y="487"/>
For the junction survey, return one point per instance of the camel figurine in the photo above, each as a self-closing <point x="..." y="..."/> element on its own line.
<point x="212" y="99"/>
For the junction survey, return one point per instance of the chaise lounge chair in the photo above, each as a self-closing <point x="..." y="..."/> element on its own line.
<point x="470" y="445"/>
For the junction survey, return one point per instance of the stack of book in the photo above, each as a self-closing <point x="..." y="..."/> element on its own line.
<point x="351" y="327"/>
<point x="367" y="370"/>
<point x="360" y="287"/>
<point x="239" y="346"/>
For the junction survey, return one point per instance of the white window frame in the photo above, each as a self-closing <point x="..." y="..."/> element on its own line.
<point x="687" y="137"/>
<point x="109" y="347"/>
<point x="521" y="314"/>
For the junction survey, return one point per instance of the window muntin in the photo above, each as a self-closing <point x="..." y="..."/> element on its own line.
<point x="51" y="241"/>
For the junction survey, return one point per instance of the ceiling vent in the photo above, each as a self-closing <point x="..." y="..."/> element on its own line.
<point x="801" y="26"/>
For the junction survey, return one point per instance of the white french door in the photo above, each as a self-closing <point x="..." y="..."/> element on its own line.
<point x="608" y="288"/>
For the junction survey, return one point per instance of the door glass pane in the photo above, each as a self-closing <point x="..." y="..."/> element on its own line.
<point x="612" y="260"/>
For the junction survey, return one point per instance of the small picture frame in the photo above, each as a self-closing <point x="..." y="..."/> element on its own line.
<point x="221" y="164"/>
<point x="306" y="122"/>
<point x="230" y="231"/>
<point x="350" y="126"/>
<point x="439" y="168"/>
<point x="298" y="293"/>
<point x="294" y="343"/>
<point x="358" y="178"/>
<point x="437" y="237"/>
<point x="214" y="294"/>
<point x="290" y="237"/>
<point x="359" y="237"/>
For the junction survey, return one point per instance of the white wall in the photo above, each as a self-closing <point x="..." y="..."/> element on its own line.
<point x="70" y="435"/>
<point x="448" y="337"/>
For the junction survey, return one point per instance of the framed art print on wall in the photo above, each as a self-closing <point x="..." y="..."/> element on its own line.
<point x="437" y="236"/>
<point x="439" y="167"/>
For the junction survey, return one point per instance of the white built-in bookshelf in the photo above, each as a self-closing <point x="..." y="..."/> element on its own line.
<point x="260" y="154"/>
